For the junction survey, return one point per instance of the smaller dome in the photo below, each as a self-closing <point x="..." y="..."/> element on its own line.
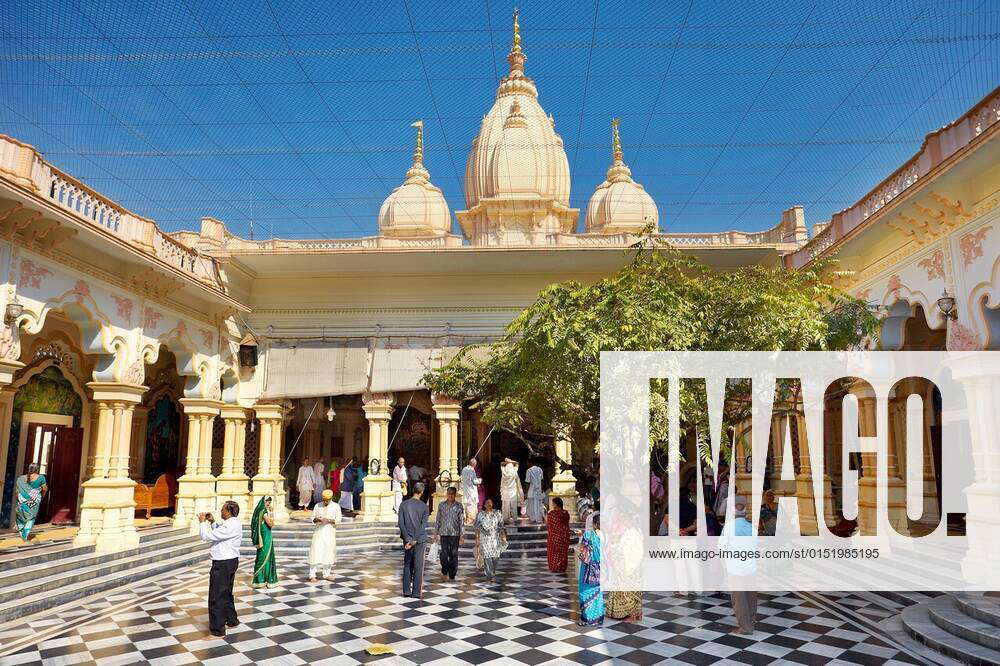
<point x="619" y="204"/>
<point x="417" y="207"/>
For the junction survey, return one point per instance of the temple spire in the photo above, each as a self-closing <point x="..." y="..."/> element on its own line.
<point x="516" y="56"/>
<point x="616" y="142"/>
<point x="418" y="153"/>
<point x="417" y="172"/>
<point x="619" y="171"/>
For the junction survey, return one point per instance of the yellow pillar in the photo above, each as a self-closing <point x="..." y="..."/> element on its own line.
<point x="269" y="482"/>
<point x="107" y="510"/>
<point x="867" y="484"/>
<point x="376" y="500"/>
<point x="233" y="484"/>
<point x="564" y="483"/>
<point x="447" y="411"/>
<point x="196" y="489"/>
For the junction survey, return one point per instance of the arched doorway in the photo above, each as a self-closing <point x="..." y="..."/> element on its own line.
<point x="46" y="429"/>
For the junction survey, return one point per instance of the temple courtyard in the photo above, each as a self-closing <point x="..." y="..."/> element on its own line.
<point x="528" y="617"/>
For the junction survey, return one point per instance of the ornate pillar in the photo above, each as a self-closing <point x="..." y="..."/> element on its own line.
<point x="233" y="484"/>
<point x="107" y="510"/>
<point x="376" y="500"/>
<point x="196" y="489"/>
<point x="137" y="463"/>
<point x="979" y="373"/>
<point x="804" y="485"/>
<point x="742" y="467"/>
<point x="447" y="411"/>
<point x="269" y="482"/>
<point x="564" y="483"/>
<point x="867" y="484"/>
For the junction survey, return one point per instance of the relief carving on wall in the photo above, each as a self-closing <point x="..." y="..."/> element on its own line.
<point x="124" y="306"/>
<point x="150" y="318"/>
<point x="934" y="265"/>
<point x="971" y="245"/>
<point x="895" y="284"/>
<point x="32" y="274"/>
<point x="962" y="338"/>
<point x="135" y="373"/>
<point x="10" y="343"/>
<point x="206" y="337"/>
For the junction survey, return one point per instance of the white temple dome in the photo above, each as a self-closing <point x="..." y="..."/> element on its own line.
<point x="619" y="204"/>
<point x="517" y="174"/>
<point x="417" y="207"/>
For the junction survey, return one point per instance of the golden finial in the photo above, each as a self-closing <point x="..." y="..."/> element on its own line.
<point x="516" y="48"/>
<point x="418" y="153"/>
<point x="616" y="140"/>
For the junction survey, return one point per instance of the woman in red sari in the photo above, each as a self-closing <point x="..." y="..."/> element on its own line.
<point x="557" y="521"/>
<point x="335" y="479"/>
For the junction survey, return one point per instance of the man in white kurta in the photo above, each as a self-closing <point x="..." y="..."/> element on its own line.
<point x="305" y="483"/>
<point x="323" y="550"/>
<point x="398" y="484"/>
<point x="511" y="492"/>
<point x="536" y="496"/>
<point x="470" y="491"/>
<point x="319" y="479"/>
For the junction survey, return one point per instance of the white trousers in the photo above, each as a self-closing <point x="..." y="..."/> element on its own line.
<point x="327" y="570"/>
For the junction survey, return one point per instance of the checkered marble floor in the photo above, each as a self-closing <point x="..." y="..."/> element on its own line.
<point x="528" y="618"/>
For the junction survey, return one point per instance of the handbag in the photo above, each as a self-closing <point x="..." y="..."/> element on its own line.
<point x="434" y="552"/>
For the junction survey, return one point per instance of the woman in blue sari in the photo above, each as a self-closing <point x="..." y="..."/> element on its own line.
<point x="31" y="487"/>
<point x="591" y="599"/>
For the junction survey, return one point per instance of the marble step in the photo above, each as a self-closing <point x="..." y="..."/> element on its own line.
<point x="947" y="614"/>
<point x="61" y="562"/>
<point x="83" y="569"/>
<point x="980" y="606"/>
<point x="49" y="554"/>
<point x="918" y="623"/>
<point x="98" y="582"/>
<point x="894" y="629"/>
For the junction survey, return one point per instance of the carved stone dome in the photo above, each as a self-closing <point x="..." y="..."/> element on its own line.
<point x="517" y="173"/>
<point x="619" y="204"/>
<point x="417" y="207"/>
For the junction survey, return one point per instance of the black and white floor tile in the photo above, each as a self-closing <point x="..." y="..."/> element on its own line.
<point x="528" y="618"/>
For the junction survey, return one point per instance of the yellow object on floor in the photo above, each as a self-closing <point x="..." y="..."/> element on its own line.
<point x="378" y="648"/>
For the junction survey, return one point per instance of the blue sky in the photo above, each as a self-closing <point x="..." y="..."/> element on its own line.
<point x="295" y="115"/>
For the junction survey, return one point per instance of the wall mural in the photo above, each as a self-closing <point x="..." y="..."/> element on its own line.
<point x="48" y="392"/>
<point x="162" y="439"/>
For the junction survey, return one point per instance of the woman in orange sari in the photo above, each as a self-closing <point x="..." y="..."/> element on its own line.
<point x="557" y="522"/>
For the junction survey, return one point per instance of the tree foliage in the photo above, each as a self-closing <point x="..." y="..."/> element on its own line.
<point x="543" y="373"/>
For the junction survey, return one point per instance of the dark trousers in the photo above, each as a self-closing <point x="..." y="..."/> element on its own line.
<point x="221" y="607"/>
<point x="413" y="569"/>
<point x="449" y="555"/>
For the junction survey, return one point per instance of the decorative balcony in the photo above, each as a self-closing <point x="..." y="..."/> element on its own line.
<point x="22" y="166"/>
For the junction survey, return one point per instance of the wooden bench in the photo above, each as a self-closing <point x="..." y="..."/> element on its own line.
<point x="158" y="496"/>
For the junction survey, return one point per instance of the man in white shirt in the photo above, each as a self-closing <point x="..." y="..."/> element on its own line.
<point x="225" y="537"/>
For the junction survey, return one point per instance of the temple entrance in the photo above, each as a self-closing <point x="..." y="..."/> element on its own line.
<point x="411" y="437"/>
<point x="504" y="444"/>
<point x="56" y="450"/>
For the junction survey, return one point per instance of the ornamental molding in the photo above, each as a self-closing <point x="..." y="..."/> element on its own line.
<point x="971" y="244"/>
<point x="389" y="310"/>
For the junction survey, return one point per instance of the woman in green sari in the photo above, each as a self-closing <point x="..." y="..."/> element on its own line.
<point x="31" y="487"/>
<point x="265" y="570"/>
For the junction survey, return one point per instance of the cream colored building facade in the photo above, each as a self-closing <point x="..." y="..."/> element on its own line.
<point x="131" y="316"/>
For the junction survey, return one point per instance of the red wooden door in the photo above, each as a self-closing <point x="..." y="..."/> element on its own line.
<point x="64" y="475"/>
<point x="39" y="443"/>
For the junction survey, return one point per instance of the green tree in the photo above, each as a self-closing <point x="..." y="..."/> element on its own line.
<point x="544" y="371"/>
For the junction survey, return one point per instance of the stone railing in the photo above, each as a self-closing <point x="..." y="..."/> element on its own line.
<point x="937" y="147"/>
<point x="235" y="244"/>
<point x="22" y="165"/>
